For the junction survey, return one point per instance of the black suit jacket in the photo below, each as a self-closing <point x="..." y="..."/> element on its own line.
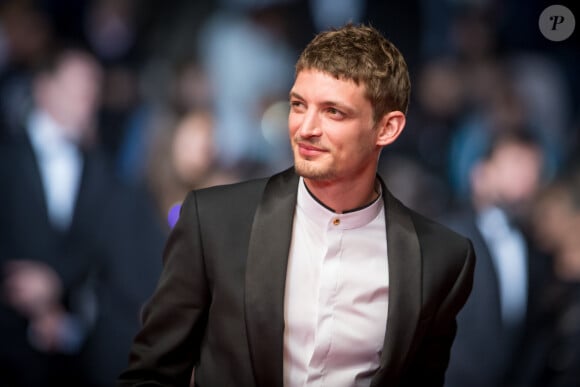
<point x="219" y="305"/>
<point x="27" y="233"/>
<point x="485" y="352"/>
<point x="111" y="234"/>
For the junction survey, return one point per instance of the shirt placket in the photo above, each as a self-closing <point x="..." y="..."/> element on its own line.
<point x="329" y="281"/>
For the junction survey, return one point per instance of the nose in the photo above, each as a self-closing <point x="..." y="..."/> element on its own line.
<point x="310" y="125"/>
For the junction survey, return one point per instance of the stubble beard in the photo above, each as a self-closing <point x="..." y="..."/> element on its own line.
<point x="312" y="169"/>
<point x="319" y="168"/>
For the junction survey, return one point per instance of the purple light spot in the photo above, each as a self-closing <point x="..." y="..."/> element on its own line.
<point x="173" y="214"/>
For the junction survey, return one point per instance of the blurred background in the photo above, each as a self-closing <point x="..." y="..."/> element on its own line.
<point x="142" y="101"/>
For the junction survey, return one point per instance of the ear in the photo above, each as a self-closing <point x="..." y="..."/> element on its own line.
<point x="477" y="176"/>
<point x="390" y="127"/>
<point x="480" y="184"/>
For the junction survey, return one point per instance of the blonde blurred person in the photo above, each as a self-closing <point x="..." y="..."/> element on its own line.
<point x="556" y="221"/>
<point x="183" y="157"/>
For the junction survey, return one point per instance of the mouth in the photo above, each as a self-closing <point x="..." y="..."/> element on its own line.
<point x="309" y="150"/>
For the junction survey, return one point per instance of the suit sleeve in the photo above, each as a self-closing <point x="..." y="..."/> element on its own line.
<point x="432" y="356"/>
<point x="166" y="348"/>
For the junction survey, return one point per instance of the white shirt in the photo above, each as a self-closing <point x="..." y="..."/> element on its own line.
<point x="508" y="251"/>
<point x="60" y="164"/>
<point x="336" y="297"/>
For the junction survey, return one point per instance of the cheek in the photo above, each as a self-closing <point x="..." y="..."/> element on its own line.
<point x="352" y="141"/>
<point x="293" y="124"/>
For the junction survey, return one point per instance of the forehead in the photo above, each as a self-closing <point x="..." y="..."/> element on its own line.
<point x="519" y="151"/>
<point x="314" y="83"/>
<point x="77" y="65"/>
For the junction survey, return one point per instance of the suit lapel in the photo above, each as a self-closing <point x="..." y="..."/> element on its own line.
<point x="404" y="289"/>
<point x="266" y="277"/>
<point x="31" y="173"/>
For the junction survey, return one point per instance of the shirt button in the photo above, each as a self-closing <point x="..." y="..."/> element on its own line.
<point x="336" y="221"/>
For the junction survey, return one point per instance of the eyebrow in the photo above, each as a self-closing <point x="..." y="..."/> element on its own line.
<point x="295" y="95"/>
<point x="340" y="106"/>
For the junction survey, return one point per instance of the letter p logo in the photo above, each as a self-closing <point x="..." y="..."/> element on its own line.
<point x="559" y="19"/>
<point x="556" y="23"/>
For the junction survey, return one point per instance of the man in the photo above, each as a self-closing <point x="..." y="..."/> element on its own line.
<point x="497" y="322"/>
<point x="555" y="222"/>
<point x="68" y="236"/>
<point x="317" y="275"/>
<point x="46" y="204"/>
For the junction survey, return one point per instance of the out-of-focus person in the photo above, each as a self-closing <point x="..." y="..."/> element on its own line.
<point x="65" y="226"/>
<point x="45" y="201"/>
<point x="183" y="157"/>
<point x="255" y="37"/>
<point x="499" y="318"/>
<point x="556" y="221"/>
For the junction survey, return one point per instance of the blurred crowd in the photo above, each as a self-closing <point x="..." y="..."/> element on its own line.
<point x="112" y="110"/>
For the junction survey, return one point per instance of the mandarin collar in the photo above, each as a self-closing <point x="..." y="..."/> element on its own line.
<point x="325" y="217"/>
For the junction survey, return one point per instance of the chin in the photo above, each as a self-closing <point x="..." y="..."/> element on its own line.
<point x="310" y="171"/>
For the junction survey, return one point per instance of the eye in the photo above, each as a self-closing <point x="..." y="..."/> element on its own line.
<point x="335" y="113"/>
<point x="296" y="105"/>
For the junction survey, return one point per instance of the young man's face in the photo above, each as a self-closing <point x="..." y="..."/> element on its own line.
<point x="331" y="128"/>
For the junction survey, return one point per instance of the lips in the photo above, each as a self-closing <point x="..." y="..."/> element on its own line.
<point x="306" y="149"/>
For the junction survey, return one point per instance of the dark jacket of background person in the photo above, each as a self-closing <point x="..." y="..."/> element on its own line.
<point x="556" y="353"/>
<point x="129" y="242"/>
<point x="556" y="218"/>
<point x="492" y="338"/>
<point x="26" y="233"/>
<point x="107" y="261"/>
<point x="486" y="352"/>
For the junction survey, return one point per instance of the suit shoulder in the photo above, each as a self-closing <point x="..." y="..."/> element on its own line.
<point x="432" y="232"/>
<point x="448" y="257"/>
<point x="240" y="193"/>
<point x="246" y="187"/>
<point x="226" y="200"/>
